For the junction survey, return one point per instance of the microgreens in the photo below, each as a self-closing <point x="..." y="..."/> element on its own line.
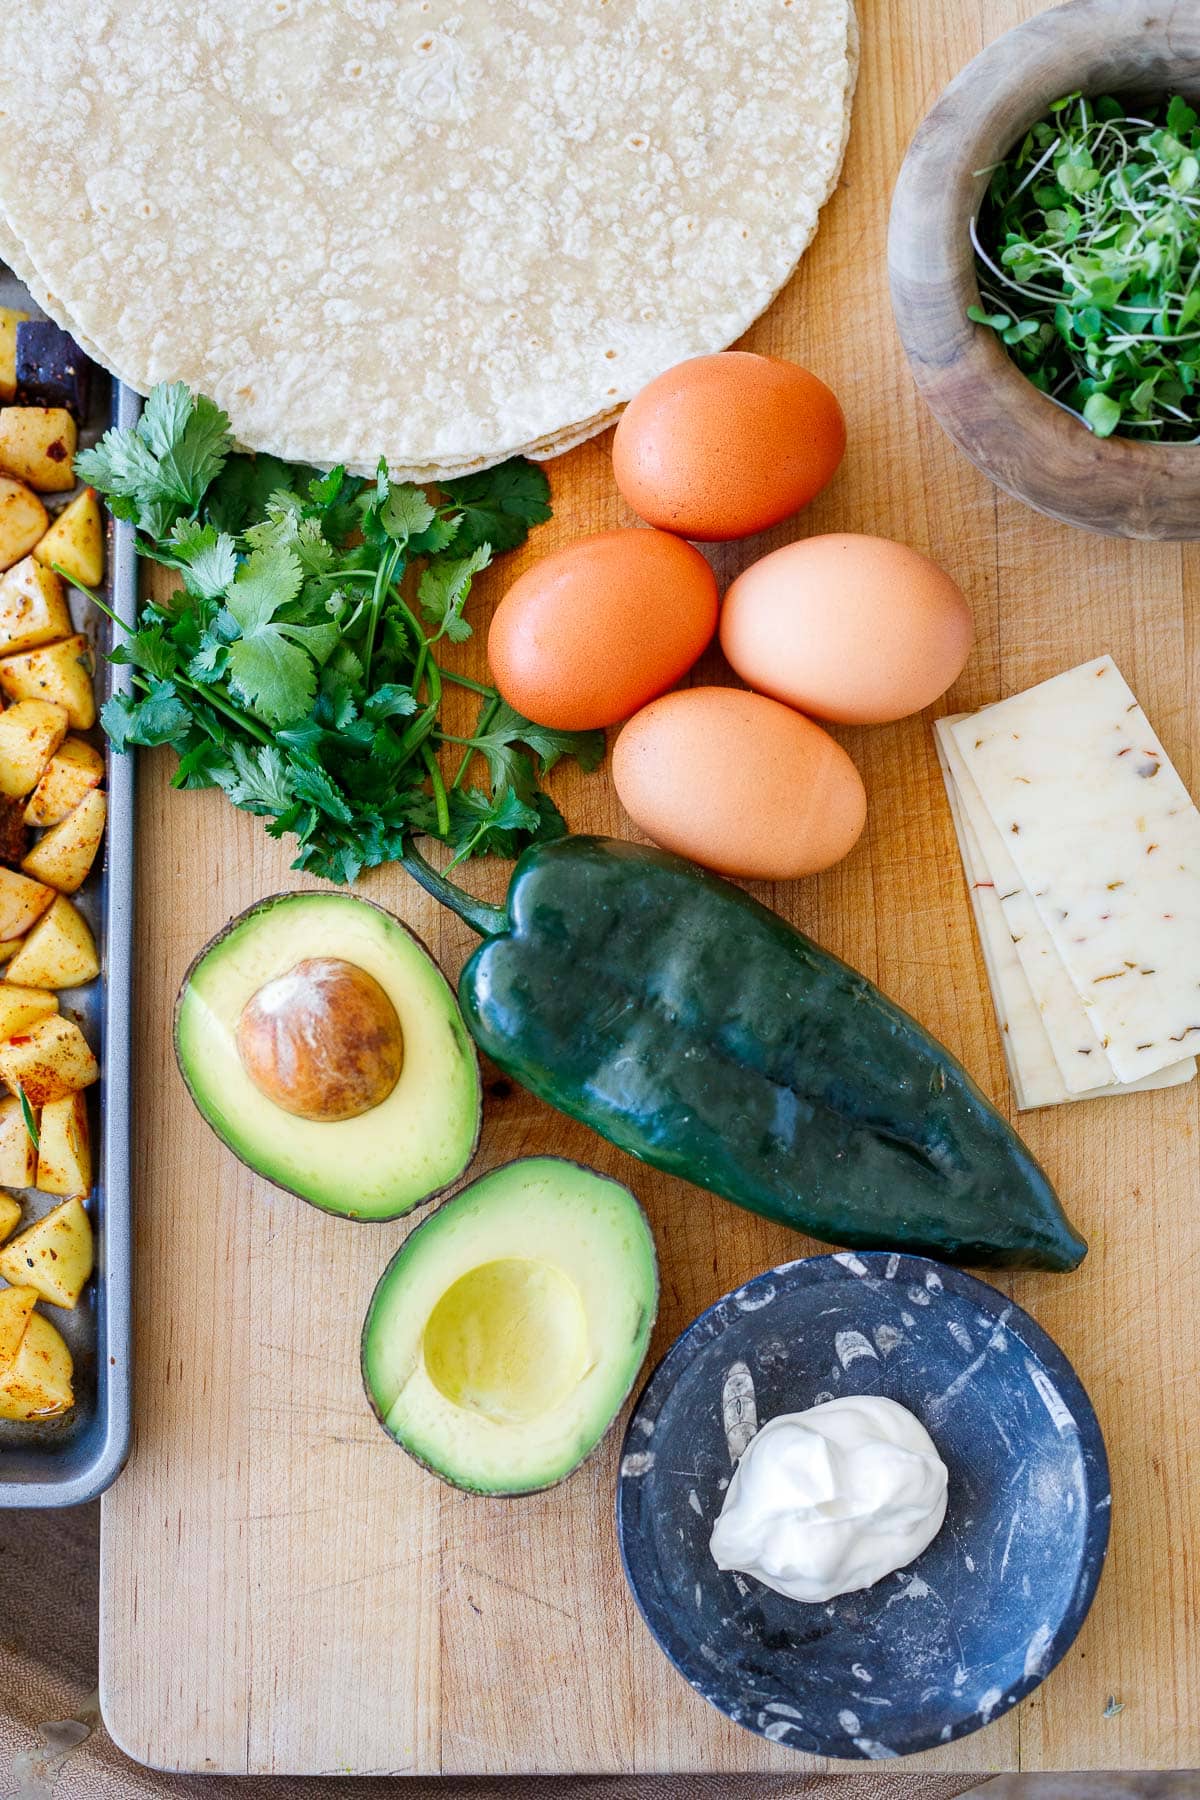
<point x="1088" y="257"/>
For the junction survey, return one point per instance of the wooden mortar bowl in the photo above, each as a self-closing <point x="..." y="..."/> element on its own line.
<point x="1025" y="442"/>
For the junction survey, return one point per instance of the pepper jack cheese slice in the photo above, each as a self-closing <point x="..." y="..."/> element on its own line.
<point x="1107" y="840"/>
<point x="1082" y="1061"/>
<point x="1034" y="1059"/>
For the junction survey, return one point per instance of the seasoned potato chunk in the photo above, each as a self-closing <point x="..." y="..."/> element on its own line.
<point x="33" y="606"/>
<point x="30" y="733"/>
<point x="18" y="1154"/>
<point x="22" y="903"/>
<point x="73" y="769"/>
<point x="37" y="1382"/>
<point x="16" y="1304"/>
<point x="37" y="445"/>
<point x="10" y="1215"/>
<point x="48" y="1060"/>
<point x="19" y="1007"/>
<point x="23" y="521"/>
<point x="63" y="857"/>
<point x="65" y="1148"/>
<point x="60" y="672"/>
<point x="60" y="951"/>
<point x="54" y="1255"/>
<point x="76" y="541"/>
<point x="10" y="318"/>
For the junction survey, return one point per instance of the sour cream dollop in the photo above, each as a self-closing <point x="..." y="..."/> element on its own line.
<point x="831" y="1500"/>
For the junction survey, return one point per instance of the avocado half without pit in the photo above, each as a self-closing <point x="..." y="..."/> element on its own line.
<point x="325" y="1047"/>
<point x="510" y="1326"/>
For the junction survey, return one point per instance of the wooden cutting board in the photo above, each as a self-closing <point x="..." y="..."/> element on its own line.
<point x="282" y="1589"/>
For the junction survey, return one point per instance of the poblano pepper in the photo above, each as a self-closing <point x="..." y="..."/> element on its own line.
<point x="698" y="1030"/>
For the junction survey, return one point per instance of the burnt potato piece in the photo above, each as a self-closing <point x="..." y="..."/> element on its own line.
<point x="14" y="833"/>
<point x="51" y="368"/>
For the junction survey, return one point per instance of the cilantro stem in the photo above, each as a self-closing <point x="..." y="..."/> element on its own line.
<point x="385" y="574"/>
<point x="482" y="724"/>
<point x="208" y="694"/>
<point x="439" y="790"/>
<point x="233" y="713"/>
<point x="465" y="681"/>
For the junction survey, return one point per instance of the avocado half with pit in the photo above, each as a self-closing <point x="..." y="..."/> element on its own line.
<point x="323" y="1044"/>
<point x="508" y="1329"/>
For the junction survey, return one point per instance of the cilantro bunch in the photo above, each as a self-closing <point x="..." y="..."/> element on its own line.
<point x="1088" y="257"/>
<point x="300" y="665"/>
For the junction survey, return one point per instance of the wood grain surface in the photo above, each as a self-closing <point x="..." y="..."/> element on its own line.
<point x="282" y="1590"/>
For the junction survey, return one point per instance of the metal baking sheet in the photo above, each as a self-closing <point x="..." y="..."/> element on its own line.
<point x="66" y="1461"/>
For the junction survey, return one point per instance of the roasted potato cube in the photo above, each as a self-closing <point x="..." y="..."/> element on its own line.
<point x="51" y="368"/>
<point x="33" y="606"/>
<point x="19" y="1007"/>
<point x="23" y="521"/>
<point x="8" y="949"/>
<point x="10" y="318"/>
<point x="73" y="769"/>
<point x="65" y="1148"/>
<point x="18" y="1153"/>
<point x="16" y="1304"/>
<point x="53" y="1255"/>
<point x="60" y="951"/>
<point x="22" y="903"/>
<point x="30" y="733"/>
<point x="60" y="672"/>
<point x="37" y="1382"/>
<point x="63" y="857"/>
<point x="37" y="445"/>
<point x="10" y="1215"/>
<point x="48" y="1060"/>
<point x="76" y="541"/>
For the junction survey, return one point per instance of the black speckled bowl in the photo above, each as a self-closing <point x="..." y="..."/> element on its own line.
<point x="942" y="1647"/>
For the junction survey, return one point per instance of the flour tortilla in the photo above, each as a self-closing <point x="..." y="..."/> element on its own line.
<point x="443" y="232"/>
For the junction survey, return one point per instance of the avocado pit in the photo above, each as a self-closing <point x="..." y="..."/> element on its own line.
<point x="322" y="1041"/>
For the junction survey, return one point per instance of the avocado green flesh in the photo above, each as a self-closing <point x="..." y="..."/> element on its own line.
<point x="508" y="1329"/>
<point x="386" y="1161"/>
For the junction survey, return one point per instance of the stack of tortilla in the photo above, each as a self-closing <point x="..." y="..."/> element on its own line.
<point x="447" y="232"/>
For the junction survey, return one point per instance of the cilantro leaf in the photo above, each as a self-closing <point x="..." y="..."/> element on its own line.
<point x="275" y="678"/>
<point x="258" y="779"/>
<point x="164" y="465"/>
<point x="206" y="558"/>
<point x="499" y="506"/>
<point x="406" y="512"/>
<point x="508" y="727"/>
<point x="267" y="580"/>
<point x="240" y="493"/>
<point x="444" y="588"/>
<point x="160" y="718"/>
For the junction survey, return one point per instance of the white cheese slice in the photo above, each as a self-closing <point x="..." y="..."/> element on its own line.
<point x="1082" y="1061"/>
<point x="1033" y="1066"/>
<point x="1107" y="840"/>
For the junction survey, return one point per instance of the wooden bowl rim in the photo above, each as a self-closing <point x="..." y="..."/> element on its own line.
<point x="1044" y="450"/>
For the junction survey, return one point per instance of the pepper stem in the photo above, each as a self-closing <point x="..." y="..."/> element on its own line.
<point x="488" y="921"/>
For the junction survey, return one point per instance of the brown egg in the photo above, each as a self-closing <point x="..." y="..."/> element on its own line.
<point x="589" y="634"/>
<point x="739" y="783"/>
<point x="855" y="629"/>
<point x="322" y="1041"/>
<point x="724" y="445"/>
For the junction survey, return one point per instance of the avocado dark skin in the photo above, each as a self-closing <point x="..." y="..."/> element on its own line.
<point x="698" y="1030"/>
